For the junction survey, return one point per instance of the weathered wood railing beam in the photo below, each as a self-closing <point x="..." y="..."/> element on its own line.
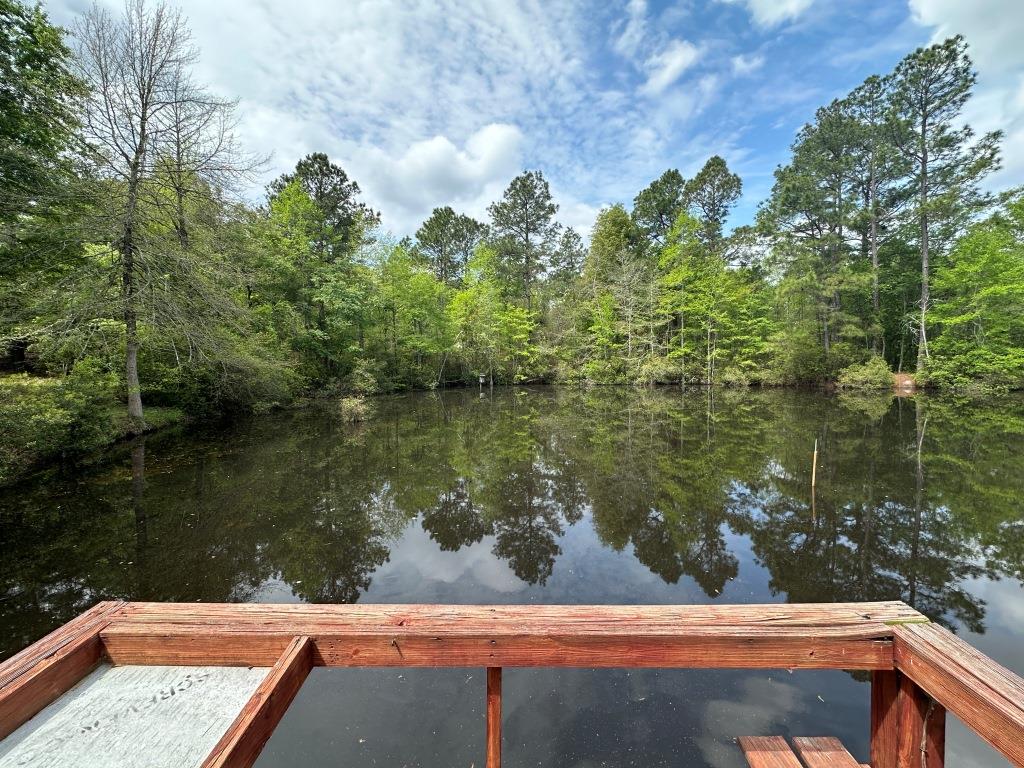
<point x="42" y="672"/>
<point x="586" y="619"/>
<point x="691" y="647"/>
<point x="242" y="743"/>
<point x="847" y="636"/>
<point x="986" y="696"/>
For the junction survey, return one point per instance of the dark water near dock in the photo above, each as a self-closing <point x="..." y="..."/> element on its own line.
<point x="552" y="496"/>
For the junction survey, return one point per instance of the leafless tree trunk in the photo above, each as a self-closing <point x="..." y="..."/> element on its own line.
<point x="148" y="127"/>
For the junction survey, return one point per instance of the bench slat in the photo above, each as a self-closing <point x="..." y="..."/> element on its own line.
<point x="768" y="752"/>
<point x="823" y="752"/>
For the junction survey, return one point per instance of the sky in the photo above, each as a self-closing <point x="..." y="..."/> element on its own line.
<point x="442" y="102"/>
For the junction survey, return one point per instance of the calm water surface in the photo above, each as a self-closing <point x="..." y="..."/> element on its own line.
<point x="552" y="496"/>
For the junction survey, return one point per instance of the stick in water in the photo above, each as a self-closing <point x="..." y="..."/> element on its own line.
<point x="814" y="465"/>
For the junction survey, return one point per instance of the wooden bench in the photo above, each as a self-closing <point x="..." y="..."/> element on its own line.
<point x="815" y="751"/>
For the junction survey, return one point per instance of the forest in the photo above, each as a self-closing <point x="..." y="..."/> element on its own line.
<point x="139" y="285"/>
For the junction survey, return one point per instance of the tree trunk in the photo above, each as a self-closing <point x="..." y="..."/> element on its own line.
<point x="922" y="347"/>
<point x="131" y="371"/>
<point x="873" y="244"/>
<point x="131" y="332"/>
<point x="180" y="224"/>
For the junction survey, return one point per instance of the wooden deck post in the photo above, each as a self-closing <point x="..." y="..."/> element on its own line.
<point x="908" y="727"/>
<point x="885" y="689"/>
<point x="494" y="717"/>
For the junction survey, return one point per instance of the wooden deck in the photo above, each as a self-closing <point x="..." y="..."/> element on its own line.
<point x="919" y="670"/>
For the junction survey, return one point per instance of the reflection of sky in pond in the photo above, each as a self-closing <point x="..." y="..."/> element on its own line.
<point x="552" y="496"/>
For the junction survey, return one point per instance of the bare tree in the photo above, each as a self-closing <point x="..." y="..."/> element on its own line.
<point x="157" y="140"/>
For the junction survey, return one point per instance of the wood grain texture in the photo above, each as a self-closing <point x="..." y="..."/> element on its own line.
<point x="920" y="739"/>
<point x="85" y="622"/>
<point x="791" y="636"/>
<point x="584" y="619"/>
<point x="40" y="674"/>
<point x="691" y="647"/>
<point x="494" y="717"/>
<point x="823" y="752"/>
<point x="768" y="752"/>
<point x="242" y="743"/>
<point x="885" y="690"/>
<point x="987" y="697"/>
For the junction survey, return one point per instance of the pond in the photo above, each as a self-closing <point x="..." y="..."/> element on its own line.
<point x="551" y="495"/>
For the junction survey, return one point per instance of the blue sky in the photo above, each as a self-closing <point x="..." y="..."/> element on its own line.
<point x="442" y="102"/>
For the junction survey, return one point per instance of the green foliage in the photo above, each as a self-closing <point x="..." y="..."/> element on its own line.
<point x="342" y="218"/>
<point x="448" y="240"/>
<point x="656" y="208"/>
<point x="525" y="231"/>
<point x="45" y="418"/>
<point x="491" y="335"/>
<point x="873" y="374"/>
<point x="979" y="307"/>
<point x="39" y="99"/>
<point x="712" y="193"/>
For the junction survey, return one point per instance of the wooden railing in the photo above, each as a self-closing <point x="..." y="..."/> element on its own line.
<point x="919" y="669"/>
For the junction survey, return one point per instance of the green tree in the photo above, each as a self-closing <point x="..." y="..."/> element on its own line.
<point x="524" y="222"/>
<point x="448" y="239"/>
<point x="40" y="99"/>
<point x="567" y="259"/>
<point x="809" y="215"/>
<point x="413" y="325"/>
<point x="711" y="194"/>
<point x="613" y="235"/>
<point x="656" y="207"/>
<point x="492" y="335"/>
<point x="880" y="181"/>
<point x="929" y="90"/>
<point x="345" y="217"/>
<point x="979" y="307"/>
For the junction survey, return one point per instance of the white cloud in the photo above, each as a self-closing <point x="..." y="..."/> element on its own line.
<point x="435" y="172"/>
<point x="744" y="64"/>
<point x="578" y="215"/>
<point x="634" y="29"/>
<point x="771" y="13"/>
<point x="441" y="103"/>
<point x="993" y="30"/>
<point x="665" y="67"/>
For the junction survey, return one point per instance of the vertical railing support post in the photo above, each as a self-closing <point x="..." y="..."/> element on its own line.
<point x="908" y="727"/>
<point x="885" y="689"/>
<point x="494" y="717"/>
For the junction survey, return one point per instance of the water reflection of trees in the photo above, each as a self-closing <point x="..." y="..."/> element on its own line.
<point x="913" y="499"/>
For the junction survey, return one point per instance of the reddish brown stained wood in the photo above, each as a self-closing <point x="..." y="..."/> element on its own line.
<point x="494" y="717"/>
<point x="823" y="752"/>
<point x="583" y="619"/>
<point x="934" y="745"/>
<point x="1004" y="683"/>
<point x="984" y="695"/>
<point x="885" y="689"/>
<point x="241" y="744"/>
<point x="84" y="623"/>
<point x="768" y="752"/>
<point x="45" y="680"/>
<point x="921" y="731"/>
<point x="757" y="647"/>
<point x="184" y="649"/>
